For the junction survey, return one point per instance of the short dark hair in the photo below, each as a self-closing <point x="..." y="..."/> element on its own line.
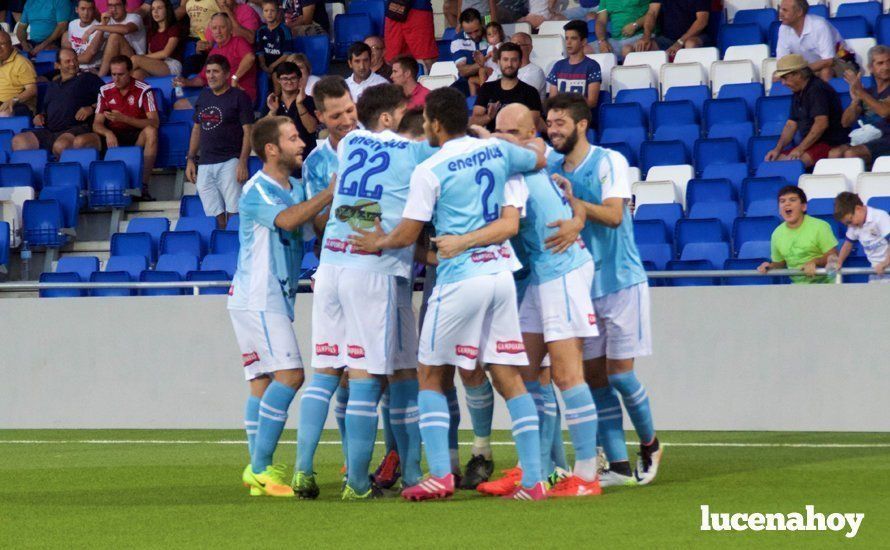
<point x="412" y="123"/>
<point x="121" y="59"/>
<point x="376" y="100"/>
<point x="217" y="59"/>
<point x="792" y="190"/>
<point x="267" y="130"/>
<point x="59" y="53"/>
<point x="845" y="203"/>
<point x="275" y="2"/>
<point x="329" y="86"/>
<point x="573" y="104"/>
<point x="578" y="26"/>
<point x="448" y="107"/>
<point x="408" y="63"/>
<point x="469" y="15"/>
<point x="288" y="68"/>
<point x="509" y="47"/>
<point x="356" y="49"/>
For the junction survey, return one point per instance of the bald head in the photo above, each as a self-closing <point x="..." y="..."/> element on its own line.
<point x="524" y="41"/>
<point x="516" y="119"/>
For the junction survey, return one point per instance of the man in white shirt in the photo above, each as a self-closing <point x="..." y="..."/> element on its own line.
<point x="362" y="77"/>
<point x="124" y="34"/>
<point x="89" y="52"/>
<point x="811" y="36"/>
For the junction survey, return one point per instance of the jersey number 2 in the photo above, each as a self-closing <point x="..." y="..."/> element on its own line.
<point x="361" y="157"/>
<point x="489" y="211"/>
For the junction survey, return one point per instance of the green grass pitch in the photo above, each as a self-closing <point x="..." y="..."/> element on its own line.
<point x="181" y="489"/>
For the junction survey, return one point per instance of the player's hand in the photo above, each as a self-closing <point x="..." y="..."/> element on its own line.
<point x="191" y="171"/>
<point x="763" y="268"/>
<point x="449" y="246"/>
<point x="491" y="110"/>
<point x="38" y="120"/>
<point x="563" y="184"/>
<point x="272" y="103"/>
<point x="241" y="173"/>
<point x="82" y="114"/>
<point x="809" y="269"/>
<point x="565" y="236"/>
<point x="368" y="241"/>
<point x="480" y="132"/>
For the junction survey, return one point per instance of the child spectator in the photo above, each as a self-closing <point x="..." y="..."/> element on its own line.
<point x="272" y="41"/>
<point x="494" y="35"/>
<point x="869" y="226"/>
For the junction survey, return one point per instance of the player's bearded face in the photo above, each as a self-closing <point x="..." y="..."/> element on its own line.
<point x="562" y="140"/>
<point x="291" y="147"/>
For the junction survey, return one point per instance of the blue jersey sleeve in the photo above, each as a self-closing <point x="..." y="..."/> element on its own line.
<point x="594" y="72"/>
<point x="551" y="78"/>
<point x="261" y="207"/>
<point x="519" y="159"/>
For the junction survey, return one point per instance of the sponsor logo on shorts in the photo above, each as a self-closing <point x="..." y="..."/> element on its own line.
<point x="250" y="358"/>
<point x="355" y="352"/>
<point x="470" y="352"/>
<point x="483" y="256"/>
<point x="591" y="318"/>
<point x="336" y="245"/>
<point x="510" y="346"/>
<point x="327" y="349"/>
<point x="580" y="242"/>
<point x="505" y="252"/>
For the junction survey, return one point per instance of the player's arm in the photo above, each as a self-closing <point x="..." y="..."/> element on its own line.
<point x="294" y="216"/>
<point x="495" y="232"/>
<point x="842" y="256"/>
<point x="404" y="234"/>
<point x="567" y="230"/>
<point x="422" y="252"/>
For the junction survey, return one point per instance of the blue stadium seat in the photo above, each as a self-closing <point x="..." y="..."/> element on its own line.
<point x="349" y="28"/>
<point x="658" y="254"/>
<point x="203" y="226"/>
<point x="4" y="243"/>
<point x="375" y="9"/>
<point x="182" y="115"/>
<point x="701" y="190"/>
<point x="180" y="242"/>
<point x="725" y="211"/>
<point x="108" y="184"/>
<point x="84" y="266"/>
<point x="622" y="115"/>
<point x="224" y="242"/>
<point x="771" y="114"/>
<point x="632" y="138"/>
<point x="851" y="27"/>
<point x="755" y="249"/>
<point x="688" y="134"/>
<point x="763" y="18"/>
<point x="845" y="100"/>
<point x="318" y="49"/>
<point x="880" y="202"/>
<point x="713" y="253"/>
<point x="650" y="232"/>
<point x="735" y="172"/>
<point x="644" y="97"/>
<point x="63" y="173"/>
<point x="209" y="275"/>
<point x="789" y="170"/>
<point x="669" y="214"/>
<point x="839" y="229"/>
<point x="758" y="147"/>
<point x="48" y="277"/>
<point x="131" y="265"/>
<point x="707" y="230"/>
<point x="132" y="244"/>
<point x="132" y="157"/>
<point x="83" y="157"/>
<point x="37" y="158"/>
<point x="747" y="264"/>
<point x="111" y="277"/>
<point x="882" y="29"/>
<point x="254" y="165"/>
<point x="233" y="222"/>
<point x="15" y="123"/>
<point x="750" y="92"/>
<point x="220" y="262"/>
<point x="624" y="149"/>
<point x="662" y="153"/>
<point x="444" y="49"/>
<point x="673" y="113"/>
<point x="856" y="261"/>
<point x="160" y="277"/>
<point x="757" y="189"/>
<point x="16" y="175"/>
<point x="5" y="144"/>
<point x="68" y="197"/>
<point x="691" y="265"/>
<point x="762" y="207"/>
<point x="155" y="227"/>
<point x="164" y="85"/>
<point x="741" y="34"/>
<point x="741" y="132"/>
<point x="696" y="94"/>
<point x="190" y="205"/>
<point x="718" y="111"/>
<point x="709" y="152"/>
<point x="178" y="263"/>
<point x="43" y="222"/>
<point x="173" y="143"/>
<point x="753" y="229"/>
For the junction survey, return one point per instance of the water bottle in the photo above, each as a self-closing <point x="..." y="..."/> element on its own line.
<point x="178" y="92"/>
<point x="26" y="261"/>
<point x="831" y="267"/>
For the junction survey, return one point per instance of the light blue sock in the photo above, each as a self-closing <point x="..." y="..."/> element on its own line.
<point x="526" y="436"/>
<point x="273" y="415"/>
<point x="610" y="430"/>
<point x="361" y="431"/>
<point x="388" y="436"/>
<point x="558" y="448"/>
<point x="341" y="397"/>
<point x="534" y="389"/>
<point x="251" y="421"/>
<point x="582" y="420"/>
<point x="434" y="424"/>
<point x="314" y="405"/>
<point x="404" y="418"/>
<point x="480" y="402"/>
<point x="454" y="424"/>
<point x="549" y="421"/>
<point x="636" y="401"/>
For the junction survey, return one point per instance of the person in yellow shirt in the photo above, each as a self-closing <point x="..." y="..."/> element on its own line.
<point x="18" y="81"/>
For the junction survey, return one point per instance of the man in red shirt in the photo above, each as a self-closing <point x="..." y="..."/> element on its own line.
<point x="125" y="115"/>
<point x="404" y="75"/>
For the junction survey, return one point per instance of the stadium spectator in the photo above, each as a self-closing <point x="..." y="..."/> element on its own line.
<point x="506" y="90"/>
<point x="362" y="77"/>
<point x="126" y="114"/>
<point x="585" y="10"/>
<point x="815" y="114"/>
<point x="577" y="73"/>
<point x="468" y="48"/>
<point x="378" y="63"/>
<point x="503" y="11"/>
<point x="306" y="17"/>
<point x="89" y="52"/>
<point x="682" y="24"/>
<point x="412" y="33"/>
<point x="619" y="24"/>
<point x="301" y="61"/>
<point x="245" y="21"/>
<point x="871" y="108"/>
<point x="404" y="75"/>
<point x="293" y="102"/>
<point x="164" y="44"/>
<point x="124" y="34"/>
<point x="69" y="104"/>
<point x="220" y="141"/>
<point x="199" y="12"/>
<point x="42" y="25"/>
<point x="530" y="73"/>
<point x="132" y="6"/>
<point x="18" y="81"/>
<point x="801" y="241"/>
<point x="870" y="227"/>
<point x="237" y="52"/>
<point x="272" y="39"/>
<point x="494" y="35"/>
<point x="813" y="37"/>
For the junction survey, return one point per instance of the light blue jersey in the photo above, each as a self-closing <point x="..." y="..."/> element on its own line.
<point x="269" y="258"/>
<point x="603" y="175"/>
<point x="546" y="203"/>
<point x="461" y="188"/>
<point x="373" y="184"/>
<point x="318" y="168"/>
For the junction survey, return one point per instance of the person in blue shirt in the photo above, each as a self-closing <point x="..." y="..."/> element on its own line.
<point x="599" y="180"/>
<point x="577" y="73"/>
<point x="468" y="48"/>
<point x="273" y="209"/>
<point x="473" y="313"/>
<point x="42" y="24"/>
<point x="272" y="40"/>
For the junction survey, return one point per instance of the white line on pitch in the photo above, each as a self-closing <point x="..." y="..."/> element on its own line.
<point x="463" y="443"/>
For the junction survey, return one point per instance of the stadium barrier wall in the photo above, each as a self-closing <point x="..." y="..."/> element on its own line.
<point x="726" y="358"/>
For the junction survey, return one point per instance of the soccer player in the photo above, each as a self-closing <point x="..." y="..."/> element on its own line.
<point x="462" y="188"/>
<point x="273" y="209"/>
<point x="555" y="314"/>
<point x="620" y="294"/>
<point x="356" y="315"/>
<point x="336" y="110"/>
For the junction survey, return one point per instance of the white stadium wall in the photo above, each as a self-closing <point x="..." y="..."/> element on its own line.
<point x="730" y="358"/>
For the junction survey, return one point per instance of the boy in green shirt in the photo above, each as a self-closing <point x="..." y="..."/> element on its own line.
<point x="802" y="242"/>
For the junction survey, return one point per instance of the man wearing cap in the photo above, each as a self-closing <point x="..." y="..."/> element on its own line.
<point x="815" y="112"/>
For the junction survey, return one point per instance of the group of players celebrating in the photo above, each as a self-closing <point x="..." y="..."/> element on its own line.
<point x="533" y="278"/>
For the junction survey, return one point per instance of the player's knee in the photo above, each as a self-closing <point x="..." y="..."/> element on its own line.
<point x="431" y="378"/>
<point x="567" y="378"/>
<point x="473" y="377"/>
<point x="290" y="377"/>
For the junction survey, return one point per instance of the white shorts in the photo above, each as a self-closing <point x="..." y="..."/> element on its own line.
<point x="473" y="319"/>
<point x="561" y="308"/>
<point x="174" y="66"/>
<point x="267" y="342"/>
<point x="218" y="187"/>
<point x="622" y="319"/>
<point x="355" y="320"/>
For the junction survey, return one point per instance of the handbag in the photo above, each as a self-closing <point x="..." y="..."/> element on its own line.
<point x="397" y="10"/>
